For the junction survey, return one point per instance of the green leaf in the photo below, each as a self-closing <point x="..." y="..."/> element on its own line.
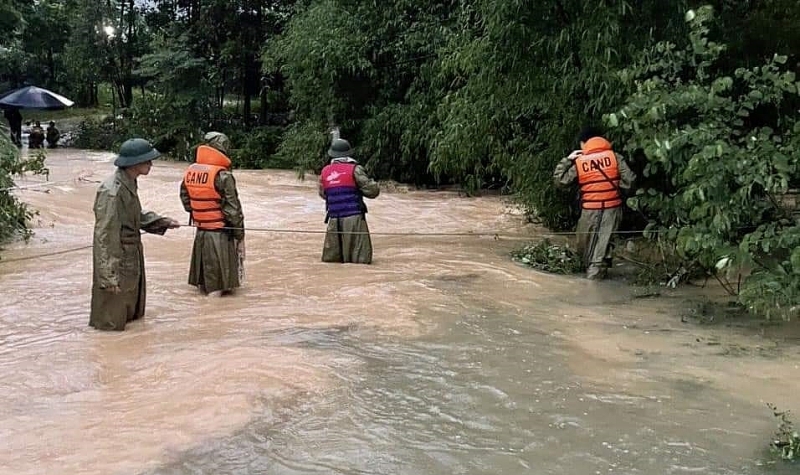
<point x="795" y="260"/>
<point x="781" y="164"/>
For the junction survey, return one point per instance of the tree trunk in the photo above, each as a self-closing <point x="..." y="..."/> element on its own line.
<point x="127" y="90"/>
<point x="262" y="116"/>
<point x="119" y="91"/>
<point x="246" y="92"/>
<point x="51" y="66"/>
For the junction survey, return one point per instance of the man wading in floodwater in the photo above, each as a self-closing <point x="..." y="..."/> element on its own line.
<point x="208" y="192"/>
<point x="343" y="184"/>
<point x="118" y="281"/>
<point x="601" y="175"/>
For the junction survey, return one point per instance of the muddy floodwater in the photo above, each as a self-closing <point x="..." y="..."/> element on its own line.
<point x="443" y="357"/>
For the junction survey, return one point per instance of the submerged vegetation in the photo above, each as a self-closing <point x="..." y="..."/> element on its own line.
<point x="548" y="257"/>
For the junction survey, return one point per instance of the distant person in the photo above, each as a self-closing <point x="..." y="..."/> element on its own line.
<point x="53" y="135"/>
<point x="118" y="280"/>
<point x="344" y="184"/>
<point x="14" y="118"/>
<point x="601" y="175"/>
<point x="36" y="136"/>
<point x="208" y="192"/>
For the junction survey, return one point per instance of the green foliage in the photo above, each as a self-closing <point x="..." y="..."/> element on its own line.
<point x="34" y="165"/>
<point x="531" y="75"/>
<point x="14" y="215"/>
<point x="10" y="19"/>
<point x="97" y="134"/>
<point x="366" y="68"/>
<point x="322" y="46"/>
<point x="173" y="69"/>
<point x="396" y="143"/>
<point x="787" y="440"/>
<point x="485" y="94"/>
<point x="257" y="148"/>
<point x="773" y="288"/>
<point x="171" y="123"/>
<point x="549" y="257"/>
<point x="720" y="149"/>
<point x="305" y="145"/>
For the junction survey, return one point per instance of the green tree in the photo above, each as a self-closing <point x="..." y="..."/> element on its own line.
<point x="322" y="47"/>
<point x="45" y="35"/>
<point x="487" y="93"/>
<point x="87" y="54"/>
<point x="10" y="20"/>
<point x="721" y="148"/>
<point x="532" y="74"/>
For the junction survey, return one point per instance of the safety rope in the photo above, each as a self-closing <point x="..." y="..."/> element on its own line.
<point x="496" y="236"/>
<point x="80" y="178"/>
<point x="83" y="177"/>
<point x="42" y="256"/>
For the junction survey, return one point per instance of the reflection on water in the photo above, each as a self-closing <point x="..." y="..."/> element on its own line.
<point x="441" y="358"/>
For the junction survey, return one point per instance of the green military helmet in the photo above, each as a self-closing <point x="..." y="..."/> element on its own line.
<point x="218" y="140"/>
<point x="340" y="148"/>
<point x="135" y="151"/>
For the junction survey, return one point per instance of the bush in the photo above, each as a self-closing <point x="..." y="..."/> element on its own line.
<point x="96" y="134"/>
<point x="172" y="125"/>
<point x="304" y="145"/>
<point x="787" y="439"/>
<point x="14" y="215"/>
<point x="549" y="257"/>
<point x="720" y="149"/>
<point x="257" y="149"/>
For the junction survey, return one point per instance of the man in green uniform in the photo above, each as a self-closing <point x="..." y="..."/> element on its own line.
<point x="343" y="184"/>
<point x="118" y="281"/>
<point x="601" y="175"/>
<point x="208" y="192"/>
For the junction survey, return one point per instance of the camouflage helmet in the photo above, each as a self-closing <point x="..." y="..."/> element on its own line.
<point x="135" y="151"/>
<point x="340" y="148"/>
<point x="218" y="140"/>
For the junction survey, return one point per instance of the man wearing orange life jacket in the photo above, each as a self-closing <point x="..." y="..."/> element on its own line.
<point x="601" y="175"/>
<point x="208" y="192"/>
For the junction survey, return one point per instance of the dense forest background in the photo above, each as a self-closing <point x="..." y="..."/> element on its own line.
<point x="701" y="98"/>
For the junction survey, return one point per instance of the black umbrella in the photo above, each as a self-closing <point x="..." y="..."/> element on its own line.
<point x="32" y="97"/>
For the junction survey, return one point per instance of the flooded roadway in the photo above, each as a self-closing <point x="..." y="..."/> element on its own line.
<point x="443" y="357"/>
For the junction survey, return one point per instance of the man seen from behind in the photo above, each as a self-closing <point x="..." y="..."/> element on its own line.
<point x="602" y="175"/>
<point x="344" y="184"/>
<point x="208" y="192"/>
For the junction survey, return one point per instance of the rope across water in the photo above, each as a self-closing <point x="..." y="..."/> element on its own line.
<point x="494" y="235"/>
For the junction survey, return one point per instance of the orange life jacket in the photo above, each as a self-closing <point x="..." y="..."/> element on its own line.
<point x="598" y="175"/>
<point x="199" y="179"/>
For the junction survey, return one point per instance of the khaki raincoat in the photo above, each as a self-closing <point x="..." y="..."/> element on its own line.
<point x="595" y="227"/>
<point x="118" y="258"/>
<point x="350" y="248"/>
<point x="215" y="259"/>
